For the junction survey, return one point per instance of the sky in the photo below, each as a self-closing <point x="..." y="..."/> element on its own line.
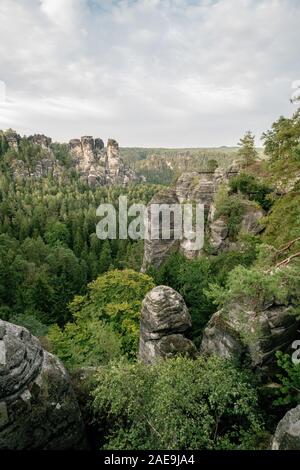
<point x="150" y="73"/>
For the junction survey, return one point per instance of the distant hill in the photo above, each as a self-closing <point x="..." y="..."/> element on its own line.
<point x="163" y="165"/>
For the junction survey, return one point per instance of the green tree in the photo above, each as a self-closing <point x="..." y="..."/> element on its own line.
<point x="177" y="404"/>
<point x="282" y="140"/>
<point x="105" y="259"/>
<point x="115" y="298"/>
<point x="247" y="148"/>
<point x="85" y="343"/>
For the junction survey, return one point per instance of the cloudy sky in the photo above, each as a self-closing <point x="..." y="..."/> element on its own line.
<point x="173" y="73"/>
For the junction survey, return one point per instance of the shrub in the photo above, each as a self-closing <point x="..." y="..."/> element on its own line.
<point x="177" y="404"/>
<point x="252" y="189"/>
<point x="115" y="298"/>
<point x="84" y="343"/>
<point x="289" y="392"/>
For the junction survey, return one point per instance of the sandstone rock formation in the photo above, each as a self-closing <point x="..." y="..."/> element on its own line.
<point x="38" y="409"/>
<point x="13" y="140"/>
<point x="164" y="319"/>
<point x="241" y="333"/>
<point x="45" y="165"/>
<point x="287" y="435"/>
<point x="98" y="165"/>
<point x="95" y="164"/>
<point x="218" y="228"/>
<point x="194" y="188"/>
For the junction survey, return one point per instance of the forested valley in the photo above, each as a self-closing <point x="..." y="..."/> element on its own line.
<point x="82" y="297"/>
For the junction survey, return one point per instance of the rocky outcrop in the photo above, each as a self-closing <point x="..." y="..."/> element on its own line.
<point x="164" y="319"/>
<point x="157" y="250"/>
<point x="98" y="165"/>
<point x="42" y="165"/>
<point x="241" y="333"/>
<point x="287" y="435"/>
<point x="13" y="140"/>
<point x="196" y="187"/>
<point x="193" y="188"/>
<point x="88" y="159"/>
<point x="217" y="228"/>
<point x="38" y="408"/>
<point x="95" y="164"/>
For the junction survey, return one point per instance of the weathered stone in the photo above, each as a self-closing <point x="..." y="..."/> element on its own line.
<point x="13" y="140"/>
<point x="97" y="165"/>
<point x="193" y="188"/>
<point x="38" y="408"/>
<point x="41" y="140"/>
<point x="287" y="435"/>
<point x="157" y="250"/>
<point x="218" y="228"/>
<point x="241" y="332"/>
<point x="164" y="319"/>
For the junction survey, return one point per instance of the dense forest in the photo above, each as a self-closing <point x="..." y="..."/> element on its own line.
<point x="82" y="296"/>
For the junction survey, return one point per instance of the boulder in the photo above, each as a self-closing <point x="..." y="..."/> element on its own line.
<point x="164" y="319"/>
<point x="38" y="408"/>
<point x="240" y="332"/>
<point x="287" y="434"/>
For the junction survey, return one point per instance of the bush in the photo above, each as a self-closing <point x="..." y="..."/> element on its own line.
<point x="177" y="404"/>
<point x="289" y="392"/>
<point x="84" y="343"/>
<point x="232" y="208"/>
<point x="190" y="278"/>
<point x="252" y="189"/>
<point x="115" y="298"/>
<point x="258" y="288"/>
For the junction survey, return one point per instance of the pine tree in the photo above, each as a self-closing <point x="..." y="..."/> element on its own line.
<point x="247" y="148"/>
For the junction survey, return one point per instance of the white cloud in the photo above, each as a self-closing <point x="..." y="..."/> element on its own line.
<point x="148" y="72"/>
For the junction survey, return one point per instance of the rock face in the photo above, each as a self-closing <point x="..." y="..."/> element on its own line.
<point x="13" y="140"/>
<point x="46" y="164"/>
<point x="95" y="164"/>
<point x="98" y="165"/>
<point x="195" y="188"/>
<point x="287" y="435"/>
<point x="164" y="319"/>
<point x="89" y="159"/>
<point x="38" y="409"/>
<point x="218" y="228"/>
<point x="239" y="333"/>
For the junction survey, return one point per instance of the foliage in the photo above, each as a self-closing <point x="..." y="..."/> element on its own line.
<point x="282" y="140"/>
<point x="283" y="222"/>
<point x="30" y="322"/>
<point x="49" y="250"/>
<point x="258" y="288"/>
<point x="177" y="404"/>
<point x="190" y="278"/>
<point x="251" y="188"/>
<point x="232" y="208"/>
<point x="115" y="299"/>
<point x="247" y="150"/>
<point x="289" y="392"/>
<point x="84" y="343"/>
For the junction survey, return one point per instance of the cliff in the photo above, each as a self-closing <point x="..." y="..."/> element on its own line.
<point x="35" y="157"/>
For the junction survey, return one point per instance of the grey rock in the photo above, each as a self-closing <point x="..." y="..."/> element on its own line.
<point x="239" y="332"/>
<point x="287" y="434"/>
<point x="194" y="188"/>
<point x="100" y="166"/>
<point x="251" y="220"/>
<point x="218" y="228"/>
<point x="38" y="408"/>
<point x="157" y="250"/>
<point x="164" y="319"/>
<point x="13" y="140"/>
